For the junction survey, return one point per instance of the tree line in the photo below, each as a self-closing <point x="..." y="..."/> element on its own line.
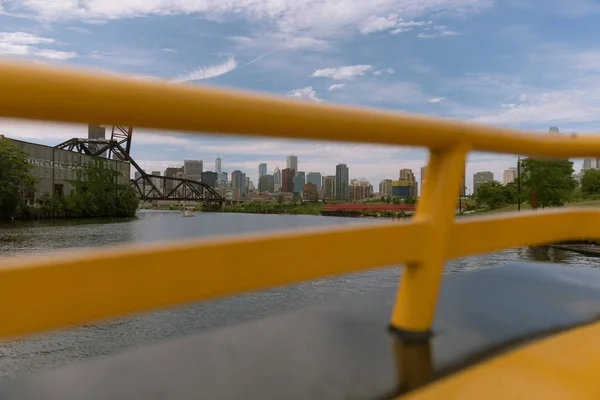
<point x="97" y="192"/>
<point x="550" y="181"/>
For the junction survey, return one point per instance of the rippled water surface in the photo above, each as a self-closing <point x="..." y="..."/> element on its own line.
<point x="50" y="350"/>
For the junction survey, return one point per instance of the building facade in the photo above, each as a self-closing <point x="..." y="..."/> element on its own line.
<point x="385" y="188"/>
<point x="262" y="169"/>
<point x="315" y="178"/>
<point x="292" y="163"/>
<point x="329" y="187"/>
<point x="55" y="169"/>
<point x="481" y="177"/>
<point x="342" y="182"/>
<point x="287" y="180"/>
<point x="510" y="175"/>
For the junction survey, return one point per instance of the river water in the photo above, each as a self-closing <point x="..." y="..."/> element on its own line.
<point x="50" y="350"/>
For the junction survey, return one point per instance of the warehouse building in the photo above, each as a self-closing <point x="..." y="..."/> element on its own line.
<point x="56" y="168"/>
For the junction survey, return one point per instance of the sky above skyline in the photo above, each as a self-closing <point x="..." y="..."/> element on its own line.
<point x="527" y="64"/>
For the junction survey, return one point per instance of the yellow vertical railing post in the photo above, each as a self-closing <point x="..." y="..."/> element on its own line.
<point x="416" y="300"/>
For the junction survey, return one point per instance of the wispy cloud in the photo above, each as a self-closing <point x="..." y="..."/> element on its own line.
<point x="392" y="23"/>
<point x="208" y="72"/>
<point x="436" y="31"/>
<point x="341" y="73"/>
<point x="286" y="23"/>
<point x="336" y="86"/>
<point x="437" y="99"/>
<point x="27" y="44"/>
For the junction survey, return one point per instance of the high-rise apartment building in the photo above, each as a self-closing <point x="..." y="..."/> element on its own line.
<point x="360" y="189"/>
<point x="510" y="175"/>
<point x="385" y="187"/>
<point x="292" y="163"/>
<point x="329" y="187"/>
<point x="407" y="175"/>
<point x="262" y="169"/>
<point x="342" y="182"/>
<point x="480" y="178"/>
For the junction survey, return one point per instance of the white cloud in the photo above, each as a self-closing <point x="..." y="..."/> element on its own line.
<point x="376" y="24"/>
<point x="29" y="45"/>
<point x="389" y="71"/>
<point x="437" y="99"/>
<point x="436" y="31"/>
<point x="295" y="23"/>
<point x="392" y="22"/>
<point x="169" y="50"/>
<point x="337" y="86"/>
<point x="307" y="93"/>
<point x="208" y="72"/>
<point x="342" y="73"/>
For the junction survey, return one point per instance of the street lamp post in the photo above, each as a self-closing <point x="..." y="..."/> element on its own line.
<point x="519" y="183"/>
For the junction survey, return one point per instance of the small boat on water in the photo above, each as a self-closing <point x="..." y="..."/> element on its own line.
<point x="189" y="211"/>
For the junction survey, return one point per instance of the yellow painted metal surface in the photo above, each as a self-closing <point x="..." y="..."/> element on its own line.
<point x="564" y="366"/>
<point x="78" y="287"/>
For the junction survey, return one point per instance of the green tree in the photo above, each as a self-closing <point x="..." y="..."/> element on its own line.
<point x="590" y="182"/>
<point x="493" y="195"/>
<point x="15" y="178"/>
<point x="98" y="193"/>
<point x="552" y="180"/>
<point x="410" y="200"/>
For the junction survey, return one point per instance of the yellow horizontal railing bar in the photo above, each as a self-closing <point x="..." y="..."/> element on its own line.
<point x="67" y="95"/>
<point x="478" y="235"/>
<point x="60" y="290"/>
<point x="561" y="366"/>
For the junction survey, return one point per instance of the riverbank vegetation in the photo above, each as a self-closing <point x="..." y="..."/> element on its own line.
<point x="96" y="191"/>
<point x="277" y="207"/>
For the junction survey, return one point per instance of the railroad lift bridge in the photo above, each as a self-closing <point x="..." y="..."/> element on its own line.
<point x="118" y="147"/>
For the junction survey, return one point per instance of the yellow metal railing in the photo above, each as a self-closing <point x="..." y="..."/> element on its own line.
<point x="51" y="291"/>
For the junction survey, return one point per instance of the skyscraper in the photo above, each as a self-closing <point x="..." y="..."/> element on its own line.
<point x="287" y="180"/>
<point x="277" y="179"/>
<point x="314" y="177"/>
<point x="218" y="166"/>
<point x="262" y="169"/>
<point x="192" y="169"/>
<point x="238" y="181"/>
<point x="292" y="163"/>
<point x="342" y="182"/>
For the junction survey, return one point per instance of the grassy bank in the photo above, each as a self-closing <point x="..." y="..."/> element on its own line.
<point x="276" y="208"/>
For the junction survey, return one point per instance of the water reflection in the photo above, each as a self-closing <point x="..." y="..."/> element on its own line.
<point x="547" y="254"/>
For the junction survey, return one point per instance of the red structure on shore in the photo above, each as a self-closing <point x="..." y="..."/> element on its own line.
<point x="369" y="207"/>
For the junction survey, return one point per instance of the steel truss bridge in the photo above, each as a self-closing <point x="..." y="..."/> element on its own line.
<point x="150" y="187"/>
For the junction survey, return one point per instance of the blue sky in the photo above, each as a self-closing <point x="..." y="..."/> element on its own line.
<point x="528" y="64"/>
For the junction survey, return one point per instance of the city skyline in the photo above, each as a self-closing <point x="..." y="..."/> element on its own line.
<point x="291" y="49"/>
